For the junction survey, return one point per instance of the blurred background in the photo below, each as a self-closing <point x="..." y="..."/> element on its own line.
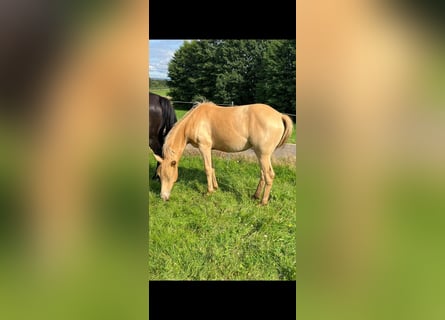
<point x="73" y="169"/>
<point x="370" y="141"/>
<point x="73" y="173"/>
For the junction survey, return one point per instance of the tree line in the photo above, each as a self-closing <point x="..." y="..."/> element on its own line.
<point x="242" y="71"/>
<point x="157" y="83"/>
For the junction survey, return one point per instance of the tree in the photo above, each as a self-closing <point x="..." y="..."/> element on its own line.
<point x="276" y="85"/>
<point x="192" y="71"/>
<point x="157" y="83"/>
<point x="242" y="71"/>
<point x="239" y="62"/>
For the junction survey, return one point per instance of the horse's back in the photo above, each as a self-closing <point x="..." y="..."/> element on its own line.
<point x="238" y="128"/>
<point x="263" y="112"/>
<point x="258" y="110"/>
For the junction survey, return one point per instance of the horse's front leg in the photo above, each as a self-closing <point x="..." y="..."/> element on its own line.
<point x="215" y="184"/>
<point x="206" y="153"/>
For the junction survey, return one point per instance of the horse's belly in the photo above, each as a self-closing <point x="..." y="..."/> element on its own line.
<point x="231" y="145"/>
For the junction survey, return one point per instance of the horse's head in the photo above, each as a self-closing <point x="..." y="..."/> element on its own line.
<point x="168" y="173"/>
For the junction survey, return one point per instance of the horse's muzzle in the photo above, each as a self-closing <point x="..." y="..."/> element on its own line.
<point x="165" y="196"/>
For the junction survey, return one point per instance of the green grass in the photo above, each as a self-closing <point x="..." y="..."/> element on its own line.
<point x="160" y="91"/>
<point x="225" y="235"/>
<point x="293" y="136"/>
<point x="180" y="113"/>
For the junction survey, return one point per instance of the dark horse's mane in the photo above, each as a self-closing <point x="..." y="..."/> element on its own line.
<point x="169" y="115"/>
<point x="162" y="119"/>
<point x="168" y="118"/>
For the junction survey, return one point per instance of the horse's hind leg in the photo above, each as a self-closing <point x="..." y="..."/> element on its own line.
<point x="260" y="187"/>
<point x="269" y="175"/>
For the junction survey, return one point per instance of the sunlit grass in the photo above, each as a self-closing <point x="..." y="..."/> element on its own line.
<point x="225" y="235"/>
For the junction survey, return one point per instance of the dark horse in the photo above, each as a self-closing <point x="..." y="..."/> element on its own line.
<point x="162" y="117"/>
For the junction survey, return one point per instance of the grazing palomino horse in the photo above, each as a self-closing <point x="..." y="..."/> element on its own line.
<point x="228" y="129"/>
<point x="162" y="117"/>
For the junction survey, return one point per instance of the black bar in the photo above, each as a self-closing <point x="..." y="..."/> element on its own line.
<point x="229" y="19"/>
<point x="222" y="299"/>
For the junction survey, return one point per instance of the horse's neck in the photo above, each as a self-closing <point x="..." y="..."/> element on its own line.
<point x="177" y="139"/>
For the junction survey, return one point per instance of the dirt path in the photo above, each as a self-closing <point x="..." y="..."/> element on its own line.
<point x="286" y="154"/>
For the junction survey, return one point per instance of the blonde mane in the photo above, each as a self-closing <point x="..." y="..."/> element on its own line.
<point x="182" y="120"/>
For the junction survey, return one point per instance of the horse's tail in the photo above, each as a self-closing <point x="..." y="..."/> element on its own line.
<point x="170" y="115"/>
<point x="288" y="127"/>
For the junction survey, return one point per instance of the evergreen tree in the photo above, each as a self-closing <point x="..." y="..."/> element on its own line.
<point x="192" y="71"/>
<point x="242" y="71"/>
<point x="238" y="61"/>
<point x="276" y="85"/>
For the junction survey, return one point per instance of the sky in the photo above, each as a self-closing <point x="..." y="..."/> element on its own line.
<point x="160" y="53"/>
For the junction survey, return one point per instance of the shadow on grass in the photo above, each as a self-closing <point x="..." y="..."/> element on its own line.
<point x="192" y="178"/>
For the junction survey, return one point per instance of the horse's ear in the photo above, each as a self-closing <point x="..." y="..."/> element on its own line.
<point x="173" y="163"/>
<point x="158" y="158"/>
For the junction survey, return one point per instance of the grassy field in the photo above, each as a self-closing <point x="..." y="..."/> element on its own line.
<point x="225" y="235"/>
<point x="293" y="137"/>
<point x="162" y="91"/>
